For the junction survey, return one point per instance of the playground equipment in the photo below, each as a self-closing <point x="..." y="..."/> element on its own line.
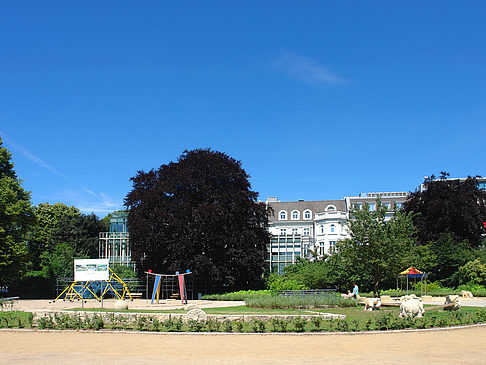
<point x="411" y="272"/>
<point x="96" y="289"/>
<point x="158" y="281"/>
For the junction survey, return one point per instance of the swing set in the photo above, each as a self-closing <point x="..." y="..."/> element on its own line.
<point x="158" y="281"/>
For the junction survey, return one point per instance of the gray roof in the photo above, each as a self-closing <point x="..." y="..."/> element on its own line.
<point x="317" y="206"/>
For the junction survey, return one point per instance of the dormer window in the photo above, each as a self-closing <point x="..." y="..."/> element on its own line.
<point x="295" y="214"/>
<point x="282" y="215"/>
<point x="330" y="208"/>
<point x="307" y="214"/>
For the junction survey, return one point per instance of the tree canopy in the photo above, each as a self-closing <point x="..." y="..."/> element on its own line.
<point x="16" y="218"/>
<point x="377" y="250"/>
<point x="62" y="233"/>
<point x="199" y="213"/>
<point x="456" y="207"/>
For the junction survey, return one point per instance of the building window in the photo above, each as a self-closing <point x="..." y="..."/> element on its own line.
<point x="282" y="215"/>
<point x="387" y="205"/>
<point x="294" y="230"/>
<point x="283" y="231"/>
<point x="357" y="206"/>
<point x="399" y="205"/>
<point x="332" y="228"/>
<point x="295" y="214"/>
<point x="306" y="231"/>
<point x="330" y="208"/>
<point x="322" y="228"/>
<point x="332" y="246"/>
<point x="307" y="214"/>
<point x="372" y="207"/>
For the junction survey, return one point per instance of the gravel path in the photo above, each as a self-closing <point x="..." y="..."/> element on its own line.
<point x="456" y="346"/>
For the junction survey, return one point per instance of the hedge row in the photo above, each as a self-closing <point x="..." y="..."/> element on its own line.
<point x="387" y="321"/>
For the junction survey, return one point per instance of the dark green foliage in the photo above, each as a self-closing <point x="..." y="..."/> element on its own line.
<point x="278" y="324"/>
<point x="303" y="275"/>
<point x="299" y="324"/>
<point x="60" y="235"/>
<point x="63" y="228"/>
<point x="123" y="271"/>
<point x="199" y="213"/>
<point x="473" y="272"/>
<point x="16" y="219"/>
<point x="227" y="326"/>
<point x="449" y="206"/>
<point x="450" y="255"/>
<point x="356" y="322"/>
<point x="257" y="325"/>
<point x="377" y="250"/>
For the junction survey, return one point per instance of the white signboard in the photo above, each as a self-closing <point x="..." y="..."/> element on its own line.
<point x="91" y="270"/>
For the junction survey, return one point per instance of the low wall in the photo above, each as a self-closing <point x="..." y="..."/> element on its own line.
<point x="133" y="317"/>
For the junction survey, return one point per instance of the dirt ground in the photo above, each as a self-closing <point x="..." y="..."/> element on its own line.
<point x="456" y="346"/>
<point x="43" y="304"/>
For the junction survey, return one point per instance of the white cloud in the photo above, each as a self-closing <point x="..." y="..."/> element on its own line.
<point x="307" y="70"/>
<point x="85" y="199"/>
<point x="37" y="160"/>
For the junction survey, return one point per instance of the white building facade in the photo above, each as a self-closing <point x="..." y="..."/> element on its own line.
<point x="310" y="229"/>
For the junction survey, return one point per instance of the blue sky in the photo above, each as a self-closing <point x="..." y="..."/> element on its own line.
<point x="319" y="100"/>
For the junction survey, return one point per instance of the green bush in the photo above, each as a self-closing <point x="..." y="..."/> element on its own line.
<point x="239" y="295"/>
<point x="281" y="282"/>
<point x="473" y="272"/>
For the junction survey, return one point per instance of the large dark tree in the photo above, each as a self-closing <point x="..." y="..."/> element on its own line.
<point x="199" y="213"/>
<point x="456" y="207"/>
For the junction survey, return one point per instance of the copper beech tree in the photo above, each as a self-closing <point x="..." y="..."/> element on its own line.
<point x="199" y="213"/>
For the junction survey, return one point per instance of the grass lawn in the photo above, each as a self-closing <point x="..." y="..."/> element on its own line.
<point x="238" y="310"/>
<point x="351" y="313"/>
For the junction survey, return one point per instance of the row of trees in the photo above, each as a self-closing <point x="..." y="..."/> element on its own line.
<point x="440" y="230"/>
<point x="200" y="213"/>
<point x="38" y="244"/>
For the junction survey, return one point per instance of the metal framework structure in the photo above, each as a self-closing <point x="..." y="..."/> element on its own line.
<point x="79" y="290"/>
<point x="159" y="278"/>
<point x="115" y="247"/>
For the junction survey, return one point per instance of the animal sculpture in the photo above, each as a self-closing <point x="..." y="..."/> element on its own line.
<point x="412" y="307"/>
<point x="371" y="304"/>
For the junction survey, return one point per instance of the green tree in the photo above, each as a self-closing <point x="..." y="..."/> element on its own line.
<point x="50" y="219"/>
<point x="456" y="207"/>
<point x="449" y="255"/>
<point x="473" y="272"/>
<point x="377" y="250"/>
<point x="199" y="213"/>
<point x="16" y="218"/>
<point x="59" y="224"/>
<point x="304" y="273"/>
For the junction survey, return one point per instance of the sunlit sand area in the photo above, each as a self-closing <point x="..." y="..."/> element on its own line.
<point x="457" y="346"/>
<point x="450" y="346"/>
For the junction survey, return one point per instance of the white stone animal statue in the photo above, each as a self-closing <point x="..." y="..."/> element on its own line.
<point x="121" y="305"/>
<point x="452" y="299"/>
<point x="412" y="308"/>
<point x="371" y="304"/>
<point x="196" y="315"/>
<point x="466" y="294"/>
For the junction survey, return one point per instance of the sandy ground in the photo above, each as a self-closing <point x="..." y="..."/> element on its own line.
<point x="42" y="304"/>
<point x="456" y="346"/>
